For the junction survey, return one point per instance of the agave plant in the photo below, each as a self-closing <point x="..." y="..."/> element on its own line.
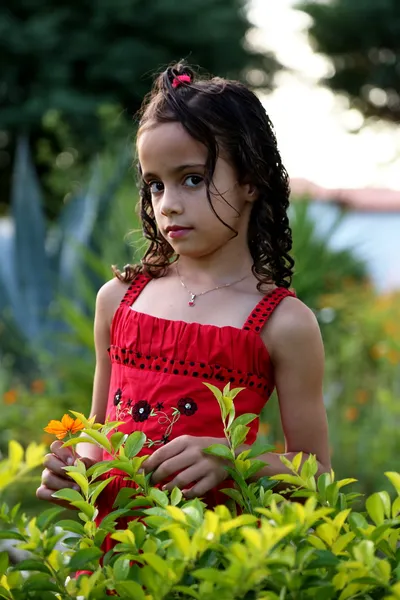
<point x="41" y="263"/>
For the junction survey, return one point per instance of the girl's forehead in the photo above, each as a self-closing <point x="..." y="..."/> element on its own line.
<point x="164" y="143"/>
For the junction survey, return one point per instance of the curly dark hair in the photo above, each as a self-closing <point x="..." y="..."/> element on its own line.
<point x="222" y="114"/>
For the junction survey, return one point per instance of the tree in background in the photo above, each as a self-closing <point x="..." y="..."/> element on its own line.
<point x="70" y="58"/>
<point x="362" y="39"/>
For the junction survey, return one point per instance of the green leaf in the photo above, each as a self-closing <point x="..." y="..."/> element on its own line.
<point x="9" y="534"/>
<point x="255" y="467"/>
<point x="97" y="488"/>
<point x="157" y="563"/>
<point x="15" y="454"/>
<point x="85" y="507"/>
<point x="259" y="448"/>
<point x="39" y="583"/>
<point x="394" y="479"/>
<point x="68" y="494"/>
<point x="73" y="526"/>
<point x="117" y="439"/>
<point x="4" y="561"/>
<point x="100" y="438"/>
<point x="83" y="558"/>
<point x="176" y="496"/>
<point x="234" y="494"/>
<point x="239" y="435"/>
<point x="159" y="497"/>
<point x="243" y="420"/>
<point x="134" y="443"/>
<point x="78" y="440"/>
<point x="82" y="481"/>
<point x="219" y="450"/>
<point x="323" y="559"/>
<point x="208" y="574"/>
<point x="121" y="568"/>
<point x="100" y="468"/>
<point x="47" y="517"/>
<point x="376" y="508"/>
<point x="130" y="590"/>
<point x="296" y="462"/>
<point x="32" y="565"/>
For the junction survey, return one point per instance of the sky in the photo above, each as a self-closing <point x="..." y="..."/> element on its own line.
<point x="310" y="121"/>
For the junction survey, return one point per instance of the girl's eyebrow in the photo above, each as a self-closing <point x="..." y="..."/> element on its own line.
<point x="177" y="169"/>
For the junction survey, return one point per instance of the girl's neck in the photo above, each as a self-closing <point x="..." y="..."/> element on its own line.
<point x="217" y="268"/>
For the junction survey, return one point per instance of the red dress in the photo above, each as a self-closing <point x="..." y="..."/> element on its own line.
<point x="158" y="370"/>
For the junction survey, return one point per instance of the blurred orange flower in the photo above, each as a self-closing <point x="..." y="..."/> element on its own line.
<point x="47" y="439"/>
<point x="351" y="413"/>
<point x="264" y="428"/>
<point x="10" y="397"/>
<point x="67" y="425"/>
<point x="393" y="357"/>
<point x="38" y="386"/>
<point x="361" y="396"/>
<point x="279" y="447"/>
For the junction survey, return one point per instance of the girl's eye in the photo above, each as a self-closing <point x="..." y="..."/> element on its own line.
<point x="193" y="180"/>
<point x="155" y="187"/>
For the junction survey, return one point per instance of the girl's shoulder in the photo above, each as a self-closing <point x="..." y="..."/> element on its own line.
<point x="292" y="325"/>
<point x="109" y="298"/>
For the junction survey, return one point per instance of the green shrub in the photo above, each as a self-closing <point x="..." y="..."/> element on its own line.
<point x="275" y="548"/>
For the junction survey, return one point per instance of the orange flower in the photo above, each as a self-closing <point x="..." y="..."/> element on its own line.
<point x="67" y="425"/>
<point x="361" y="396"/>
<point x="10" y="397"/>
<point x="351" y="413"/>
<point x="393" y="357"/>
<point x="264" y="428"/>
<point x="279" y="447"/>
<point x="38" y="386"/>
<point x="47" y="439"/>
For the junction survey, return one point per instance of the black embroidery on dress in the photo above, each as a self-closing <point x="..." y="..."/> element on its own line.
<point x="117" y="397"/>
<point x="160" y="405"/>
<point x="165" y="439"/>
<point x="141" y="411"/>
<point x="187" y="406"/>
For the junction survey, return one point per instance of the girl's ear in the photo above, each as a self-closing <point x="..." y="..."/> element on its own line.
<point x="251" y="192"/>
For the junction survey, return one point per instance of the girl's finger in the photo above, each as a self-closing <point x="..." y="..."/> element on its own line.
<point x="54" y="464"/>
<point x="64" y="454"/>
<point x="44" y="493"/>
<point x="171" y="466"/>
<point x="184" y="478"/>
<point x="200" y="488"/>
<point x="173" y="448"/>
<point x="54" y="483"/>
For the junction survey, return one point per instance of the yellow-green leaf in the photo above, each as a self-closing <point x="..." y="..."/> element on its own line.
<point x="394" y="478"/>
<point x="100" y="438"/>
<point x="15" y="454"/>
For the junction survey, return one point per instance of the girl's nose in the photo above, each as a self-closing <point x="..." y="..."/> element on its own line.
<point x="170" y="203"/>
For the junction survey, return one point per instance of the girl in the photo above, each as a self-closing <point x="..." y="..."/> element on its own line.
<point x="210" y="300"/>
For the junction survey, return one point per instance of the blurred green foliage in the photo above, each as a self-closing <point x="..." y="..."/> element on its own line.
<point x="70" y="59"/>
<point x="362" y="41"/>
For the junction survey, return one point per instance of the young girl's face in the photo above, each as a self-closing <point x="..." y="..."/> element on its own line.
<point x="173" y="165"/>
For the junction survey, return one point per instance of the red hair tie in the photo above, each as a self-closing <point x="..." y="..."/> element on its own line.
<point x="177" y="81"/>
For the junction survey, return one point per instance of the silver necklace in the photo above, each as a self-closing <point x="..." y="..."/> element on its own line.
<point x="218" y="287"/>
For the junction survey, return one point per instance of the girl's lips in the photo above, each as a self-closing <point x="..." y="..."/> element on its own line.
<point x="177" y="233"/>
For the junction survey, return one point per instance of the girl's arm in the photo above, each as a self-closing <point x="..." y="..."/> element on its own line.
<point x="294" y="342"/>
<point x="54" y="476"/>
<point x="101" y="383"/>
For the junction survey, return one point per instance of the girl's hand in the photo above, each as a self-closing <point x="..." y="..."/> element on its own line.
<point x="184" y="456"/>
<point x="54" y="477"/>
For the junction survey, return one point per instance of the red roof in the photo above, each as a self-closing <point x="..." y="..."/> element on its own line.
<point x="364" y="199"/>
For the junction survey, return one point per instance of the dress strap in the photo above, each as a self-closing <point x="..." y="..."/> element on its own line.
<point x="264" y="309"/>
<point x="135" y="288"/>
